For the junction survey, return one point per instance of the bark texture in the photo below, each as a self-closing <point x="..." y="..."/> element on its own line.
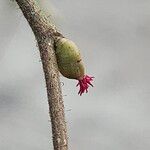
<point x="45" y="34"/>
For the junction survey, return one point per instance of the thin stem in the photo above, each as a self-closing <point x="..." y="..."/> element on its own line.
<point x="45" y="34"/>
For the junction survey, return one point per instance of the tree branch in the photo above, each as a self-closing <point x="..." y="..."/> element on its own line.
<point x="45" y="34"/>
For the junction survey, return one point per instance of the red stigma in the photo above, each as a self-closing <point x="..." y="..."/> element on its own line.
<point x="84" y="84"/>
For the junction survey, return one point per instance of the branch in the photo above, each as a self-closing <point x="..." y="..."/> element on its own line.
<point x="45" y="34"/>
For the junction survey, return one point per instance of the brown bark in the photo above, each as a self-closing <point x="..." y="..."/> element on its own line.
<point x="45" y="34"/>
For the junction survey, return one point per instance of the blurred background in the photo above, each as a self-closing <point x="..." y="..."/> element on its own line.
<point x="114" y="38"/>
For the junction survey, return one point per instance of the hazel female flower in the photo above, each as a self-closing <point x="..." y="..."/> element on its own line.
<point x="84" y="84"/>
<point x="70" y="63"/>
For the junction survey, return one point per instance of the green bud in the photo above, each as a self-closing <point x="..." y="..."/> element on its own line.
<point x="69" y="59"/>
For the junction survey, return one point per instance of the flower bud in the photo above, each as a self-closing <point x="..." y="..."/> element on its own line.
<point x="69" y="59"/>
<point x="70" y="63"/>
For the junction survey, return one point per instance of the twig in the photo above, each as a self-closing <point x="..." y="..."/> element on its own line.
<point x="45" y="34"/>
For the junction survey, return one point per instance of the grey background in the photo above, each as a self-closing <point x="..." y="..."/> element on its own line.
<point x="113" y="36"/>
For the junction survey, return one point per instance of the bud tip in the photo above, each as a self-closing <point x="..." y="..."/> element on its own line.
<point x="84" y="84"/>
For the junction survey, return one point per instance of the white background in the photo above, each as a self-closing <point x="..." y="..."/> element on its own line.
<point x="114" y="38"/>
